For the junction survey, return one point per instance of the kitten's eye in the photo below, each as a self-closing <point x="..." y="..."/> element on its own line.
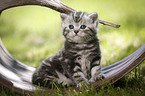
<point x="83" y="26"/>
<point x="71" y="27"/>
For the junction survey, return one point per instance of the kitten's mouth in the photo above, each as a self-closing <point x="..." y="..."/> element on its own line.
<point x="76" y="35"/>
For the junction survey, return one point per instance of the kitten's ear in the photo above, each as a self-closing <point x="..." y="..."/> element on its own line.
<point x="93" y="16"/>
<point x="63" y="16"/>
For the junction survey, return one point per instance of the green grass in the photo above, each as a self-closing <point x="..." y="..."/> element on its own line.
<point x="33" y="33"/>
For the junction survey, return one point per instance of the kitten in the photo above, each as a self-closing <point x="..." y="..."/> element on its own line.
<point x="79" y="59"/>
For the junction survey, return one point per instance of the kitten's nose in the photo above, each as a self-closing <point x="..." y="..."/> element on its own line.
<point x="76" y="31"/>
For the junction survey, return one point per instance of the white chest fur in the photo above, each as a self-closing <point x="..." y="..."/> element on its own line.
<point x="84" y="61"/>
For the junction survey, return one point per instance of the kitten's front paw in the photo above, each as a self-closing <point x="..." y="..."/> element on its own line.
<point x="83" y="84"/>
<point x="79" y="85"/>
<point x="91" y="80"/>
<point x="99" y="77"/>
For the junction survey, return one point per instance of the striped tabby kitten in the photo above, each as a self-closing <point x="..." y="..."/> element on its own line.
<point x="79" y="59"/>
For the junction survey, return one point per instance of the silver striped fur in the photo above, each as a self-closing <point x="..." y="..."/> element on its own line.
<point x="79" y="60"/>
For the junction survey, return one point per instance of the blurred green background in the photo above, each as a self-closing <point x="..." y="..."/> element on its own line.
<point x="33" y="33"/>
